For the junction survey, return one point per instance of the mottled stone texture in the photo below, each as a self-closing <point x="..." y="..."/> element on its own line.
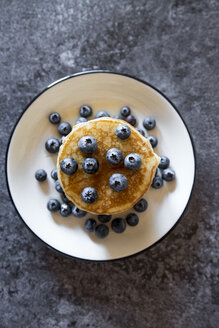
<point x="171" y="44"/>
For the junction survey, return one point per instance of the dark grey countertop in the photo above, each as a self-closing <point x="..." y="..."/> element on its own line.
<point x="172" y="45"/>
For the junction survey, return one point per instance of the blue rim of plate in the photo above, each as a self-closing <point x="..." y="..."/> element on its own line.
<point x="70" y="77"/>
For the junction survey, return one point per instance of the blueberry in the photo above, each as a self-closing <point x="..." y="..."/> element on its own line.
<point x="40" y="175"/>
<point x="118" y="225"/>
<point x="164" y="162"/>
<point x="69" y="165"/>
<point x="149" y="123"/>
<point x="141" y="205"/>
<point x="101" y="231"/>
<point x="61" y="140"/>
<point x="168" y="174"/>
<point x="90" y="225"/>
<point x="118" y="182"/>
<point x="65" y="210"/>
<point x="141" y="131"/>
<point x="54" y="174"/>
<point x="53" y="205"/>
<point x="64" y="128"/>
<point x="52" y="145"/>
<point x="89" y="195"/>
<point x="132" y="219"/>
<point x="125" y="111"/>
<point x="87" y="145"/>
<point x="157" y="182"/>
<point x="65" y="199"/>
<point x="132" y="161"/>
<point x="58" y="187"/>
<point x="158" y="173"/>
<point x="153" y="141"/>
<point x="81" y="120"/>
<point x="90" y="165"/>
<point x="131" y="120"/>
<point x="103" y="218"/>
<point x="123" y="131"/>
<point x="85" y="111"/>
<point x="119" y="117"/>
<point x="102" y="113"/>
<point x="54" y="118"/>
<point x="114" y="156"/>
<point x="77" y="212"/>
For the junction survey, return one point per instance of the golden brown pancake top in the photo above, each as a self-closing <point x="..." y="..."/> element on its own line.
<point x="108" y="201"/>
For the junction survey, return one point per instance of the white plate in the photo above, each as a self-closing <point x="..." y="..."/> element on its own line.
<point x="26" y="153"/>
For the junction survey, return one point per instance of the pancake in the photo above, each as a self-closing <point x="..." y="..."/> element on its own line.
<point x="108" y="201"/>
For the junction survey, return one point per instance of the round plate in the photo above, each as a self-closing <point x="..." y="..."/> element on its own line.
<point x="26" y="153"/>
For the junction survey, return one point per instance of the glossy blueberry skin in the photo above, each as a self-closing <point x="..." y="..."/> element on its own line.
<point x="90" y="165"/>
<point x="157" y="182"/>
<point x="141" y="131"/>
<point x="168" y="174"/>
<point x="40" y="175"/>
<point x="132" y="161"/>
<point x="118" y="182"/>
<point x="87" y="145"/>
<point x="77" y="212"/>
<point x="54" y="118"/>
<point x="89" y="195"/>
<point x="141" y="205"/>
<point x="123" y="131"/>
<point x="52" y="145"/>
<point x="101" y="231"/>
<point x="69" y="165"/>
<point x="118" y="225"/>
<point x="119" y="117"/>
<point x="131" y="120"/>
<point x="65" y="210"/>
<point x="90" y="225"/>
<point x="164" y="162"/>
<point x="153" y="141"/>
<point x="58" y="187"/>
<point x="102" y="113"/>
<point x="158" y="173"/>
<point x="149" y="123"/>
<point x="85" y="111"/>
<point x="125" y="111"/>
<point x="114" y="156"/>
<point x="65" y="199"/>
<point x="54" y="174"/>
<point x="81" y="120"/>
<point x="103" y="218"/>
<point x="61" y="140"/>
<point x="53" y="205"/>
<point x="132" y="219"/>
<point x="64" y="128"/>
